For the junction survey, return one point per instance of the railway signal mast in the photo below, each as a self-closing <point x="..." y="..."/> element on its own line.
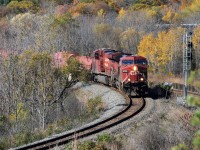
<point x="187" y="58"/>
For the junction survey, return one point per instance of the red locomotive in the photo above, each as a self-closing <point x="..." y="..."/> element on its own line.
<point x="114" y="68"/>
<point x="120" y="69"/>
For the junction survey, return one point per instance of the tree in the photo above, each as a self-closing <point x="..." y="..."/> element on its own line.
<point x="21" y="6"/>
<point x="196" y="45"/>
<point x="45" y="85"/>
<point x="129" y="40"/>
<point x="170" y="17"/>
<point x="147" y="48"/>
<point x="162" y="51"/>
<point x="31" y="86"/>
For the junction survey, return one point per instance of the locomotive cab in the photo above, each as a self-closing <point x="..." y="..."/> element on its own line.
<point x="133" y="72"/>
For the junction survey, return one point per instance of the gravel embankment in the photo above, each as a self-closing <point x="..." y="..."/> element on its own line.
<point x="126" y="126"/>
<point x="113" y="102"/>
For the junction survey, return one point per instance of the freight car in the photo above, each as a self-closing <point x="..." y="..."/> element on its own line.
<point x="121" y="70"/>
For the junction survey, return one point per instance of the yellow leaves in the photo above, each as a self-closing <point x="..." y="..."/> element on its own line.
<point x="170" y="17"/>
<point x="101" y="13"/>
<point x="122" y="14"/>
<point x="195" y="6"/>
<point x="146" y="45"/>
<point x="159" y="50"/>
<point x="152" y="13"/>
<point x="196" y="37"/>
<point x="139" y="6"/>
<point x="22" y="5"/>
<point x="189" y="8"/>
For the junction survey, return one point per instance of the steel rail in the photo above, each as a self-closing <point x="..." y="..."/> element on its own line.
<point x="130" y="111"/>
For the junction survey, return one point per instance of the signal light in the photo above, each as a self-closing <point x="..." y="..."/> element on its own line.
<point x="129" y="79"/>
<point x="135" y="68"/>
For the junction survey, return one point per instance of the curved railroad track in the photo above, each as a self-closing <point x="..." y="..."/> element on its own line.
<point x="133" y="106"/>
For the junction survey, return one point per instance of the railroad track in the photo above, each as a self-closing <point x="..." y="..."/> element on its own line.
<point x="133" y="106"/>
<point x="178" y="88"/>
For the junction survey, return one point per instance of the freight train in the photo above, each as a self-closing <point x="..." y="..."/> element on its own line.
<point x="118" y="69"/>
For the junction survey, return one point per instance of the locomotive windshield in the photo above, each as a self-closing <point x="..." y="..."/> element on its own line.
<point x="127" y="62"/>
<point x="140" y="62"/>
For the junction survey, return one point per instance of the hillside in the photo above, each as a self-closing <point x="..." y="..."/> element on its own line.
<point x="149" y="28"/>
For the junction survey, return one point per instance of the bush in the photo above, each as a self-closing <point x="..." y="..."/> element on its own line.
<point x="86" y="1"/>
<point x="22" y="138"/>
<point x="94" y="105"/>
<point x="104" y="138"/>
<point x="4" y="144"/>
<point x="138" y="7"/>
<point x="86" y="145"/>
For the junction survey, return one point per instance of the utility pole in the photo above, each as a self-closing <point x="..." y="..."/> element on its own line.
<point x="187" y="56"/>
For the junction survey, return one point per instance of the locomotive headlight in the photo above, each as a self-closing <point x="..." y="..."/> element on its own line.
<point x="129" y="79"/>
<point x="142" y="79"/>
<point x="135" y="68"/>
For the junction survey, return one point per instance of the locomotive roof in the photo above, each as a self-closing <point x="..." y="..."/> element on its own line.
<point x="117" y="58"/>
<point x="135" y="56"/>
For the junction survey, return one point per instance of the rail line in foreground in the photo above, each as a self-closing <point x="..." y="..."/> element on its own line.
<point x="133" y="106"/>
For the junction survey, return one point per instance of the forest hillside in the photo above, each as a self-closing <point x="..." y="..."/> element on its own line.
<point x="35" y="97"/>
<point x="152" y="28"/>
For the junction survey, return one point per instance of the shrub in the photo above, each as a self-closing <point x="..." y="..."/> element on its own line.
<point x="86" y="1"/>
<point x="22" y="138"/>
<point x="104" y="138"/>
<point x="94" y="105"/>
<point x="138" y="7"/>
<point x="86" y="145"/>
<point x="21" y="6"/>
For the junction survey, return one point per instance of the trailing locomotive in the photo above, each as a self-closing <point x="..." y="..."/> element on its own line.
<point x="121" y="70"/>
